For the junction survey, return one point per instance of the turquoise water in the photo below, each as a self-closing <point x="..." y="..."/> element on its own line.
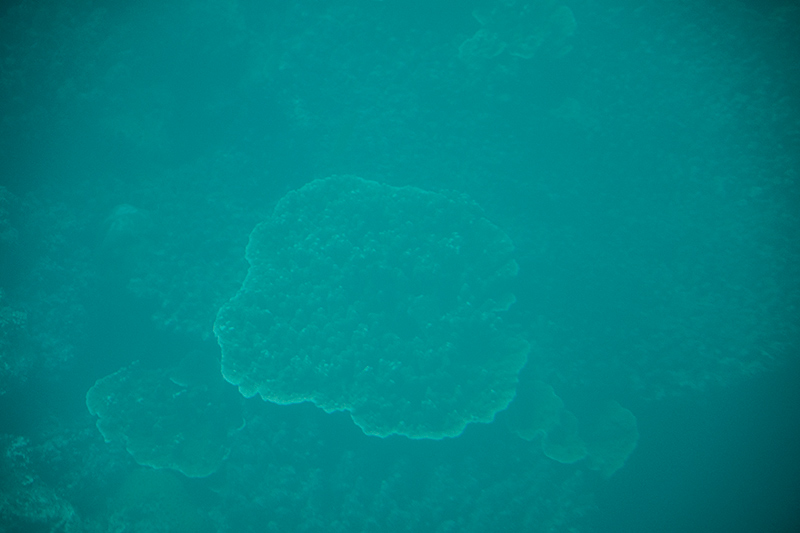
<point x="385" y="265"/>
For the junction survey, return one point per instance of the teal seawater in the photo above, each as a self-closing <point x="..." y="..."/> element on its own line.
<point x="399" y="265"/>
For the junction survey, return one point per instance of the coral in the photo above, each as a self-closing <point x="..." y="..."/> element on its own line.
<point x="611" y="435"/>
<point x="26" y="502"/>
<point x="538" y="414"/>
<point x="520" y="28"/>
<point x="15" y="360"/>
<point x="8" y="203"/>
<point x="165" y="421"/>
<point x="605" y="436"/>
<point x="382" y="301"/>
